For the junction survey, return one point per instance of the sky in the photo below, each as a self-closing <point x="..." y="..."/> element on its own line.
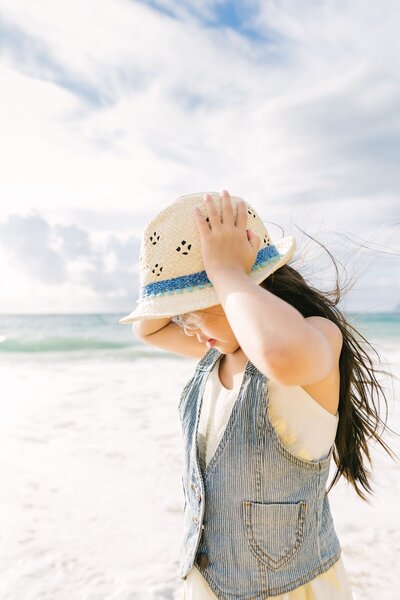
<point x="112" y="109"/>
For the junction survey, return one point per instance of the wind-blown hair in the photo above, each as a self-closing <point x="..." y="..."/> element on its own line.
<point x="359" y="414"/>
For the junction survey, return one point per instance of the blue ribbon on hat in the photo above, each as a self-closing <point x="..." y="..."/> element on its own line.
<point x="186" y="283"/>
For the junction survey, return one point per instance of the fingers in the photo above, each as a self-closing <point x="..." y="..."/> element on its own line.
<point x="212" y="213"/>
<point x="241" y="217"/>
<point x="202" y="224"/>
<point x="227" y="209"/>
<point x="227" y="212"/>
<point x="227" y="215"/>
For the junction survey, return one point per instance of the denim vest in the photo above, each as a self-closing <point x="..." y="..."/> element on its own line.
<point x="257" y="521"/>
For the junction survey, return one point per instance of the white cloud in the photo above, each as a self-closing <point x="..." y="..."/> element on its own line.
<point x="56" y="258"/>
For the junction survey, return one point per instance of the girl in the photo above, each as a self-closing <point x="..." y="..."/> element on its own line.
<point x="281" y="386"/>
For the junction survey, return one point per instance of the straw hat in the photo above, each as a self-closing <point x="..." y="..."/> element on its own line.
<point x="173" y="280"/>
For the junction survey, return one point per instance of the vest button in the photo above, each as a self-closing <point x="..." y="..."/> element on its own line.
<point x="202" y="560"/>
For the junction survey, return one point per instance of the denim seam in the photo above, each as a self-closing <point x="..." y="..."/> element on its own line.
<point x="306" y="578"/>
<point x="260" y="445"/>
<point x="183" y="395"/>
<point x="213" y="585"/>
<point x="319" y="516"/>
<point x="224" y="440"/>
<point x="308" y="465"/>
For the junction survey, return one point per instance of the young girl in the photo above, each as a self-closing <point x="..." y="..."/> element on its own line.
<point x="281" y="386"/>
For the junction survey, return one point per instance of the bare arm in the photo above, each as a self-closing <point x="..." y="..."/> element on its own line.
<point x="148" y="326"/>
<point x="167" y="335"/>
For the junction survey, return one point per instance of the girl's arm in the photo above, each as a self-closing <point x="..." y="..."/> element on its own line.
<point x="148" y="326"/>
<point x="165" y="334"/>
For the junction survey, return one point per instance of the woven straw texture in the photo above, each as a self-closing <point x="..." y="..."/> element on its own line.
<point x="172" y="276"/>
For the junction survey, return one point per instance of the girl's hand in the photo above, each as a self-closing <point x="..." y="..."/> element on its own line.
<point x="226" y="243"/>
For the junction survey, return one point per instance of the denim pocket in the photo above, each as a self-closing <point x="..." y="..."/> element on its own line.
<point x="275" y="531"/>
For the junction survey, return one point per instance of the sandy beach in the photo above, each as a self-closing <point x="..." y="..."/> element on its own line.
<point x="92" y="501"/>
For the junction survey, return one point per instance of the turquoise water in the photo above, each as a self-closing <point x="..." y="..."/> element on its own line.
<point x="93" y="334"/>
<point x="68" y="337"/>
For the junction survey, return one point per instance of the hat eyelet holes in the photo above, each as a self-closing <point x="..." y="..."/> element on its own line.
<point x="154" y="238"/>
<point x="179" y="249"/>
<point x="160" y="269"/>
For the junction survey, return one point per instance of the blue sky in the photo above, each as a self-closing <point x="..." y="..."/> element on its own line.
<point x="112" y="109"/>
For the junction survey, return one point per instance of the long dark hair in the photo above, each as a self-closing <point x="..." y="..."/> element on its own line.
<point x="359" y="416"/>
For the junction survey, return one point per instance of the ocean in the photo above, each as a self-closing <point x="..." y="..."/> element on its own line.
<point x="91" y="459"/>
<point x="78" y="336"/>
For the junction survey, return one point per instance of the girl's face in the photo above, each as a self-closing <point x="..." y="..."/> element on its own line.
<point x="210" y="323"/>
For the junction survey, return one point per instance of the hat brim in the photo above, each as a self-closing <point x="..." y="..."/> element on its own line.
<point x="169" y="305"/>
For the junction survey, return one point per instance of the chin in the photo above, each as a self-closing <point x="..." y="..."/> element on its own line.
<point x="224" y="347"/>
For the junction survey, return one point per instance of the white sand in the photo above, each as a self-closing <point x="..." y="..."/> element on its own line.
<point x="91" y="492"/>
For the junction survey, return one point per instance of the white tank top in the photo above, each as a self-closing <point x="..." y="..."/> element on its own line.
<point x="303" y="425"/>
<point x="306" y="429"/>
